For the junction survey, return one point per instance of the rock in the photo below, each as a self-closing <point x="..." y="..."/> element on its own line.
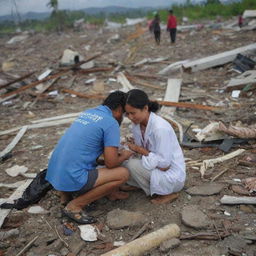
<point x="117" y="219"/>
<point x="17" y="39"/>
<point x="205" y="190"/>
<point x="195" y="218"/>
<point x="169" y="244"/>
<point x="64" y="251"/>
<point x="88" y="233"/>
<point x="37" y="210"/>
<point x="88" y="65"/>
<point x="7" y="66"/>
<point x="70" y="57"/>
<point x="16" y="170"/>
<point x="240" y="190"/>
<point x="9" y="233"/>
<point x="246" y="208"/>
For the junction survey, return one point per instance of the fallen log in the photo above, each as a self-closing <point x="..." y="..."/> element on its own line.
<point x="147" y="242"/>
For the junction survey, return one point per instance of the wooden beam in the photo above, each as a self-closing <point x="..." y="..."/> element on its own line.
<point x="16" y="194"/>
<point x="141" y="245"/>
<point x="217" y="59"/>
<point x="17" y="80"/>
<point x="83" y="95"/>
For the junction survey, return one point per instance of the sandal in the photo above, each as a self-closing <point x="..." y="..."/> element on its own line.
<point x="79" y="217"/>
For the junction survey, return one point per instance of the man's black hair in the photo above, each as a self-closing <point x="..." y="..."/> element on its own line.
<point x="115" y="99"/>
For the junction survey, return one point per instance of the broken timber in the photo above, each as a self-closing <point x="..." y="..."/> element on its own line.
<point x="216" y="60"/>
<point x="33" y="84"/>
<point x="16" y="194"/>
<point x="17" y="80"/>
<point x="147" y="242"/>
<point x="14" y="142"/>
<point x="238" y="200"/>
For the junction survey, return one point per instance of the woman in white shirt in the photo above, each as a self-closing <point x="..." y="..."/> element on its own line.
<point x="161" y="169"/>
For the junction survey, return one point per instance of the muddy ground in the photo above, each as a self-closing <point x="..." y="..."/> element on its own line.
<point x="234" y="227"/>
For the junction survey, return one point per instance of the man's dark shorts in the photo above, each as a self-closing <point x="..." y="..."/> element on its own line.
<point x="92" y="177"/>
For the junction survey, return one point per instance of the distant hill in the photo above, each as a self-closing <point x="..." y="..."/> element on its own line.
<point x="113" y="9"/>
<point x="90" y="11"/>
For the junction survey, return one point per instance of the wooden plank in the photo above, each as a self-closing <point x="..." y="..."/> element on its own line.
<point x="121" y="78"/>
<point x="17" y="80"/>
<point x="217" y="60"/>
<point x="172" y="67"/>
<point x="56" y="118"/>
<point x="248" y="77"/>
<point x="238" y="200"/>
<point x="172" y="94"/>
<point x="16" y="194"/>
<point x="14" y="141"/>
<point x="41" y="125"/>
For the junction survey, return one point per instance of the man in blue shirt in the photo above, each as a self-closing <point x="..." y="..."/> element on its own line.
<point x="72" y="167"/>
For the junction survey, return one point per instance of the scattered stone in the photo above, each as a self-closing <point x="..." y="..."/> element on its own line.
<point x="64" y="251"/>
<point x="240" y="190"/>
<point x="37" y="210"/>
<point x="9" y="233"/>
<point x="17" y="39"/>
<point x="70" y="57"/>
<point x="205" y="190"/>
<point x="246" y="208"/>
<point x="88" y="65"/>
<point x="16" y="170"/>
<point x="88" y="232"/>
<point x="195" y="218"/>
<point x="169" y="244"/>
<point x="117" y="219"/>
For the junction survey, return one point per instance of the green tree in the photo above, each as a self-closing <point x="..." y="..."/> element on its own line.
<point x="54" y="5"/>
<point x="213" y="2"/>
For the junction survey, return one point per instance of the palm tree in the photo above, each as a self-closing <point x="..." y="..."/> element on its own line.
<point x="54" y="5"/>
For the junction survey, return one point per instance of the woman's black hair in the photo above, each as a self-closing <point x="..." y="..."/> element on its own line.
<point x="139" y="99"/>
<point x="115" y="99"/>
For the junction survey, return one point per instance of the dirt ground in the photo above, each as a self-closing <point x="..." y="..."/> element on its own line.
<point x="235" y="233"/>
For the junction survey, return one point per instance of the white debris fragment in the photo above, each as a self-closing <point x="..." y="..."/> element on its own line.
<point x="235" y="93"/>
<point x="88" y="232"/>
<point x="45" y="74"/>
<point x="118" y="243"/>
<point x="37" y="210"/>
<point x="12" y="185"/>
<point x="227" y="213"/>
<point x="16" y="170"/>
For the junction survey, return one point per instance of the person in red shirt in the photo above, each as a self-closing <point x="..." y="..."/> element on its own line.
<point x="240" y="20"/>
<point x="172" y="26"/>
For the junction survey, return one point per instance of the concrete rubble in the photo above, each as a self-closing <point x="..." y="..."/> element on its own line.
<point x="76" y="69"/>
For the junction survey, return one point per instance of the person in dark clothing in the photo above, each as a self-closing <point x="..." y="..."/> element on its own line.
<point x="155" y="28"/>
<point x="172" y="26"/>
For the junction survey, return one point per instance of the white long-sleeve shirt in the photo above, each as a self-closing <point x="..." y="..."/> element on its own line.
<point x="160" y="139"/>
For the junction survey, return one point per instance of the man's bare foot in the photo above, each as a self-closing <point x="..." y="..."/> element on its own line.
<point x="128" y="188"/>
<point x="65" y="197"/>
<point x="118" y="195"/>
<point x="165" y="199"/>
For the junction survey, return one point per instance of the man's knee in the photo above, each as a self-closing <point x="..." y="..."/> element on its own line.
<point x="133" y="165"/>
<point x="124" y="174"/>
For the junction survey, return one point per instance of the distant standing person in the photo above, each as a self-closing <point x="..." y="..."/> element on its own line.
<point x="172" y="26"/>
<point x="155" y="27"/>
<point x="240" y="20"/>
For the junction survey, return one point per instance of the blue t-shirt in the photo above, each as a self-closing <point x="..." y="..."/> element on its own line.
<point x="76" y="153"/>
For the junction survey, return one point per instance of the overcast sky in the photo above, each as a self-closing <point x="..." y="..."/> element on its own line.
<point x="24" y="6"/>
